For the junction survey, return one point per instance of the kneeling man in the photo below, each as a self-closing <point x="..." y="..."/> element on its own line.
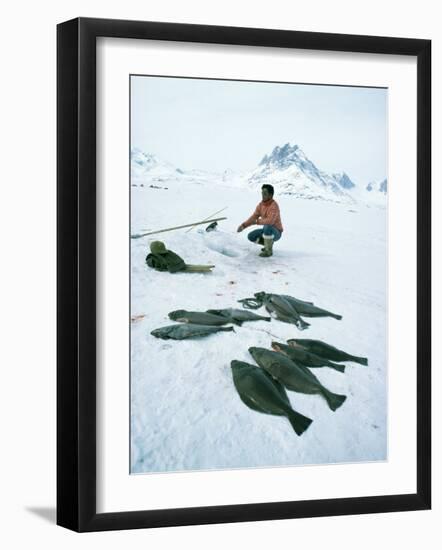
<point x="266" y="214"/>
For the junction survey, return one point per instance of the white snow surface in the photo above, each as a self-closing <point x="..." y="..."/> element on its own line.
<point x="185" y="411"/>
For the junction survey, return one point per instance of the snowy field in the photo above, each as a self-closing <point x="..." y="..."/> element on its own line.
<point x="185" y="411"/>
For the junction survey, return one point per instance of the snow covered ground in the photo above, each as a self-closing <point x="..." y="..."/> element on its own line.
<point x="185" y="411"/>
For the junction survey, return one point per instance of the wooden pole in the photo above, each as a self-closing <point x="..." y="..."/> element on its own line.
<point x="205" y="219"/>
<point x="139" y="235"/>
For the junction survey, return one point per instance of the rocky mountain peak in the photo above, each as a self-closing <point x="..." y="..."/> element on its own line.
<point x="282" y="156"/>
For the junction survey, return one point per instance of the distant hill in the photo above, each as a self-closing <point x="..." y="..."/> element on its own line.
<point x="286" y="167"/>
<point x="292" y="173"/>
<point x="377" y="187"/>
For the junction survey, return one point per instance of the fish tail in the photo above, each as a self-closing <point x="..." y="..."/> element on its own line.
<point x="340" y="368"/>
<point x="267" y="319"/>
<point x="302" y="325"/>
<point x="227" y="329"/>
<point x="298" y="421"/>
<point x="333" y="399"/>
<point x="360" y="360"/>
<point x="338" y="317"/>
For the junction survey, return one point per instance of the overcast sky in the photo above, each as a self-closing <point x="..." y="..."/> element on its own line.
<point x="217" y="125"/>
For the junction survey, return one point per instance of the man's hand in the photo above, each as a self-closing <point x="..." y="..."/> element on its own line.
<point x="240" y="228"/>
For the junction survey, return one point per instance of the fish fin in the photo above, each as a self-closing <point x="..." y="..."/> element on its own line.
<point x="298" y="421"/>
<point x="252" y="404"/>
<point x="215" y="312"/>
<point x="340" y="368"/>
<point x="333" y="399"/>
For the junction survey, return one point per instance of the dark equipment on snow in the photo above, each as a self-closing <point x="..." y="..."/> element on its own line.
<point x="162" y="259"/>
<point x="212" y="226"/>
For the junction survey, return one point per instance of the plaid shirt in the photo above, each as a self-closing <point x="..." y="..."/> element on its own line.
<point x="266" y="213"/>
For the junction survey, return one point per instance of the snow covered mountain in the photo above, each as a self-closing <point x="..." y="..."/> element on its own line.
<point x="146" y="165"/>
<point x="289" y="169"/>
<point x="377" y="187"/>
<point x="343" y="180"/>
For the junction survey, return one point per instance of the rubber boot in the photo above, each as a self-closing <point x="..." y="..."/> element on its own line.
<point x="268" y="247"/>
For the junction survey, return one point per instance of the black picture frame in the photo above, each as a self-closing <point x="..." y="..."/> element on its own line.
<point x="77" y="287"/>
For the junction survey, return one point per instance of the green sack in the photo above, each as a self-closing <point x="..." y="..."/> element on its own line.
<point x="168" y="261"/>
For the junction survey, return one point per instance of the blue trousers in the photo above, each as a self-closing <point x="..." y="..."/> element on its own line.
<point x="266" y="231"/>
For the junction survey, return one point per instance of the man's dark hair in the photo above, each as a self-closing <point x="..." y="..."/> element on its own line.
<point x="269" y="188"/>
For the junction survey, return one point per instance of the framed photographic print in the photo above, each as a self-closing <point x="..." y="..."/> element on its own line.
<point x="243" y="274"/>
